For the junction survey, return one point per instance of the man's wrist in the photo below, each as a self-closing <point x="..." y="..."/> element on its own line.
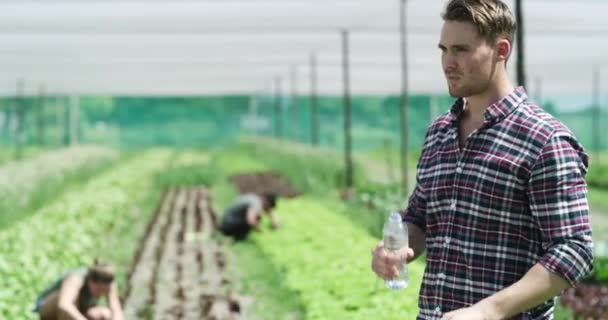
<point x="490" y="308"/>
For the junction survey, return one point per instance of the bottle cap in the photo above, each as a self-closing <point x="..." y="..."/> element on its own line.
<point x="394" y="217"/>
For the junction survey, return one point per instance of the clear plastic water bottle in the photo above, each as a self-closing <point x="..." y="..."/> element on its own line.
<point x="395" y="238"/>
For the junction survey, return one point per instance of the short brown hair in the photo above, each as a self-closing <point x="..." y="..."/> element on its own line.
<point x="101" y="272"/>
<point x="492" y="18"/>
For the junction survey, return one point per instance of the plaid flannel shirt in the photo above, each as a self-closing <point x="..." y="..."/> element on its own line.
<point x="512" y="197"/>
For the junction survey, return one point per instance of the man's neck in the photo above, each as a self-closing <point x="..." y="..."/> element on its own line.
<point x="477" y="104"/>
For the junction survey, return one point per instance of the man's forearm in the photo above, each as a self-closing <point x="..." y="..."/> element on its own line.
<point x="537" y="286"/>
<point x="115" y="306"/>
<point x="417" y="240"/>
<point x="117" y="315"/>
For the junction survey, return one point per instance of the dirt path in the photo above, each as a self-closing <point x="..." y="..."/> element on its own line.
<point x="263" y="182"/>
<point x="180" y="269"/>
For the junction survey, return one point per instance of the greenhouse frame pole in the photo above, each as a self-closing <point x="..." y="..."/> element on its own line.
<point x="347" y="110"/>
<point x="596" y="114"/>
<point x="521" y="51"/>
<point x="40" y="115"/>
<point x="278" y="121"/>
<point x="293" y="105"/>
<point x="314" y="102"/>
<point x="20" y="113"/>
<point x="404" y="96"/>
<point x="59" y="119"/>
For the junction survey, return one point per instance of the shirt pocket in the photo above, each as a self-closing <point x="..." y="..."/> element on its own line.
<point x="501" y="186"/>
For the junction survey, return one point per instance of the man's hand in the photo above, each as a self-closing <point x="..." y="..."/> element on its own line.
<point x="538" y="285"/>
<point x="384" y="262"/>
<point x="275" y="224"/>
<point x="253" y="217"/>
<point x="470" y="313"/>
<point x="483" y="310"/>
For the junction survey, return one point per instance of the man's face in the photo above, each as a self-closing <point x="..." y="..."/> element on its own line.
<point x="98" y="289"/>
<point x="468" y="61"/>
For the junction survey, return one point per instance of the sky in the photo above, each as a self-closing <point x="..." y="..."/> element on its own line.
<point x="185" y="47"/>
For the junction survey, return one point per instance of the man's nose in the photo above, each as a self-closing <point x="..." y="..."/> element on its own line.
<point x="449" y="63"/>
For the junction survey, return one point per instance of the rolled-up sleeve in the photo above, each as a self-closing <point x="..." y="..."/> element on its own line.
<point x="558" y="201"/>
<point x="415" y="207"/>
<point x="415" y="211"/>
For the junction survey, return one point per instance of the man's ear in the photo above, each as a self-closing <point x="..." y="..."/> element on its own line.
<point x="503" y="49"/>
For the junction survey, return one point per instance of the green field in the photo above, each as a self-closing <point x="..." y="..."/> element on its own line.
<point x="315" y="267"/>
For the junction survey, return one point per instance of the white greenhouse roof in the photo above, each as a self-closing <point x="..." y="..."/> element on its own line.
<point x="239" y="46"/>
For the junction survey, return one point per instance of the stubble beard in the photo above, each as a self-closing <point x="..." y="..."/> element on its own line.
<point x="467" y="90"/>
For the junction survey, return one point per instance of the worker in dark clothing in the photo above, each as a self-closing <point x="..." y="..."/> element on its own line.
<point x="245" y="214"/>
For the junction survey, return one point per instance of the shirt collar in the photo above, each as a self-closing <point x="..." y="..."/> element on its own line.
<point x="498" y="110"/>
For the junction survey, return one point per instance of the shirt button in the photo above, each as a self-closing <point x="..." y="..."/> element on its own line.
<point x="453" y="205"/>
<point x="458" y="170"/>
<point x="441" y="276"/>
<point x="447" y="240"/>
<point x="438" y="310"/>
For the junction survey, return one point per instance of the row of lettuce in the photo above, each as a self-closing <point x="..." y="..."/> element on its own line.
<point x="329" y="265"/>
<point x="26" y="185"/>
<point x="317" y="265"/>
<point x="104" y="216"/>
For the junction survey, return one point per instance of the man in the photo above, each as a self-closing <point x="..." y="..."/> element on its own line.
<point x="245" y="213"/>
<point x="500" y="201"/>
<point x="76" y="296"/>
